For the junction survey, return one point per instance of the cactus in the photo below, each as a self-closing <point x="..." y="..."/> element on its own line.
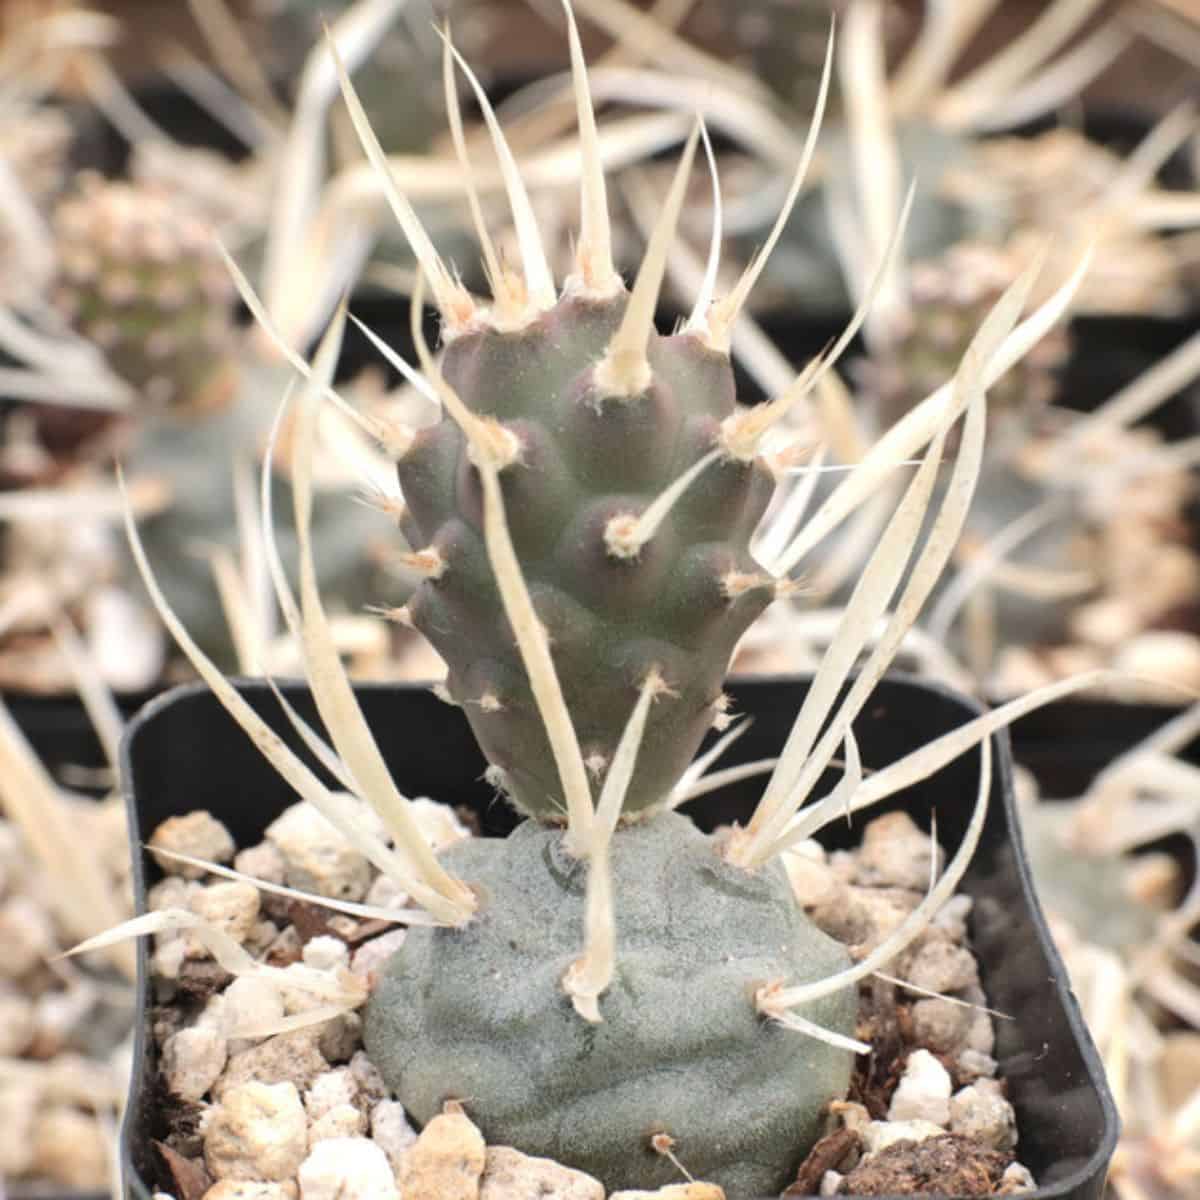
<point x="142" y="277"/>
<point x="608" y="982"/>
<point x="677" y="1031"/>
<point x="950" y="295"/>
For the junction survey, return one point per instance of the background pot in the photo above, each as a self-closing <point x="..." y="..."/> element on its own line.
<point x="183" y="752"/>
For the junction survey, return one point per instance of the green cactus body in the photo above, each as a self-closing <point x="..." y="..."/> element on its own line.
<point x="141" y="277"/>
<point x="586" y="459"/>
<point x="478" y="1013"/>
<point x="1085" y="887"/>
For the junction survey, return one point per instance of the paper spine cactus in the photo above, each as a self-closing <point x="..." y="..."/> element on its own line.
<point x="141" y="278"/>
<point x="608" y="982"/>
<point x="679" y="603"/>
<point x="949" y="296"/>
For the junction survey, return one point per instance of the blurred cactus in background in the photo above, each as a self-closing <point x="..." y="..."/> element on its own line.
<point x="141" y="277"/>
<point x="949" y="296"/>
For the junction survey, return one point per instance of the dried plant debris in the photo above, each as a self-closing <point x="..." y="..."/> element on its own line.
<point x="265" y="1084"/>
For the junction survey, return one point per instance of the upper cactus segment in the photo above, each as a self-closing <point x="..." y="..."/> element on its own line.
<point x="141" y="277"/>
<point x="588" y="464"/>
<point x="583" y="512"/>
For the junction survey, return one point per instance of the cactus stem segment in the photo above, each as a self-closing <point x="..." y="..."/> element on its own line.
<point x="539" y="281"/>
<point x="597" y="277"/>
<point x="624" y="371"/>
<point x="455" y="303"/>
<point x="428" y="563"/>
<point x="725" y="311"/>
<point x="527" y="628"/>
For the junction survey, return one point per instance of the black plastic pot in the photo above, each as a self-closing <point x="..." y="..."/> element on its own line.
<point x="60" y="731"/>
<point x="1068" y="743"/>
<point x="183" y="752"/>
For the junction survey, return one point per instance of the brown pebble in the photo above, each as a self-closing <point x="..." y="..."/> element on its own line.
<point x="826" y="1155"/>
<point x="940" y="1166"/>
<point x="190" y="1177"/>
<point x="201" y="979"/>
<point x="309" y="920"/>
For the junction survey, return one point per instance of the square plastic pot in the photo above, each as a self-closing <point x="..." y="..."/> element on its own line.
<point x="183" y="752"/>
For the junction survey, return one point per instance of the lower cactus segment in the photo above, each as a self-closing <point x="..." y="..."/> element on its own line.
<point x="477" y="1013"/>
